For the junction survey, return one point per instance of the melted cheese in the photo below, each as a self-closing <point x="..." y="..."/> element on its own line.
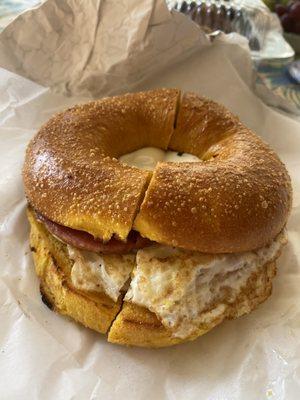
<point x="182" y="288"/>
<point x="147" y="157"/>
<point x="106" y="273"/>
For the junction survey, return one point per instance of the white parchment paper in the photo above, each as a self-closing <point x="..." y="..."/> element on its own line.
<point x="46" y="356"/>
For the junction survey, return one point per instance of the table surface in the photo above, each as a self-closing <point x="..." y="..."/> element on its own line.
<point x="275" y="77"/>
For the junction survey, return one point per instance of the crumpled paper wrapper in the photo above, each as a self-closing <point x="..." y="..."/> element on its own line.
<point x="46" y="356"/>
<point x="103" y="47"/>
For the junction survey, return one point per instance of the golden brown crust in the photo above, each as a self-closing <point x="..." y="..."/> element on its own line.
<point x="237" y="199"/>
<point x="53" y="266"/>
<point x="137" y="326"/>
<point x="71" y="174"/>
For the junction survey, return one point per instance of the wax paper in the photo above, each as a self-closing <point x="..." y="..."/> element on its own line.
<point x="46" y="356"/>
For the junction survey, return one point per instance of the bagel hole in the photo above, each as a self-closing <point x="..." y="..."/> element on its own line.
<point x="147" y="158"/>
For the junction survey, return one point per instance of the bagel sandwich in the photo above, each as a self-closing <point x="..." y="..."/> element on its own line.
<point x="154" y="215"/>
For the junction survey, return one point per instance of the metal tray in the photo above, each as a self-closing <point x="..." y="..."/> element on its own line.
<point x="250" y="18"/>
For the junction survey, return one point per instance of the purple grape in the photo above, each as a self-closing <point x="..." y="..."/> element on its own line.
<point x="287" y="22"/>
<point x="296" y="27"/>
<point x="280" y="9"/>
<point x="294" y="11"/>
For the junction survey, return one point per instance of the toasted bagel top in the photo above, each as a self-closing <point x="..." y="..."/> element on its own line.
<point x="237" y="198"/>
<point x="71" y="172"/>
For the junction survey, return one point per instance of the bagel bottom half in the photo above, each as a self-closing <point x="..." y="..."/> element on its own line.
<point x="124" y="323"/>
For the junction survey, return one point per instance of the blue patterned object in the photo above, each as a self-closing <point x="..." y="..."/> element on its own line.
<point x="294" y="70"/>
<point x="278" y="79"/>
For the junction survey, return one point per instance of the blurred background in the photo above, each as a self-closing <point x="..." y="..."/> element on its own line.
<point x="272" y="28"/>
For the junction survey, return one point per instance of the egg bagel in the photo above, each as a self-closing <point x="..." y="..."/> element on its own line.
<point x="205" y="235"/>
<point x="72" y="175"/>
